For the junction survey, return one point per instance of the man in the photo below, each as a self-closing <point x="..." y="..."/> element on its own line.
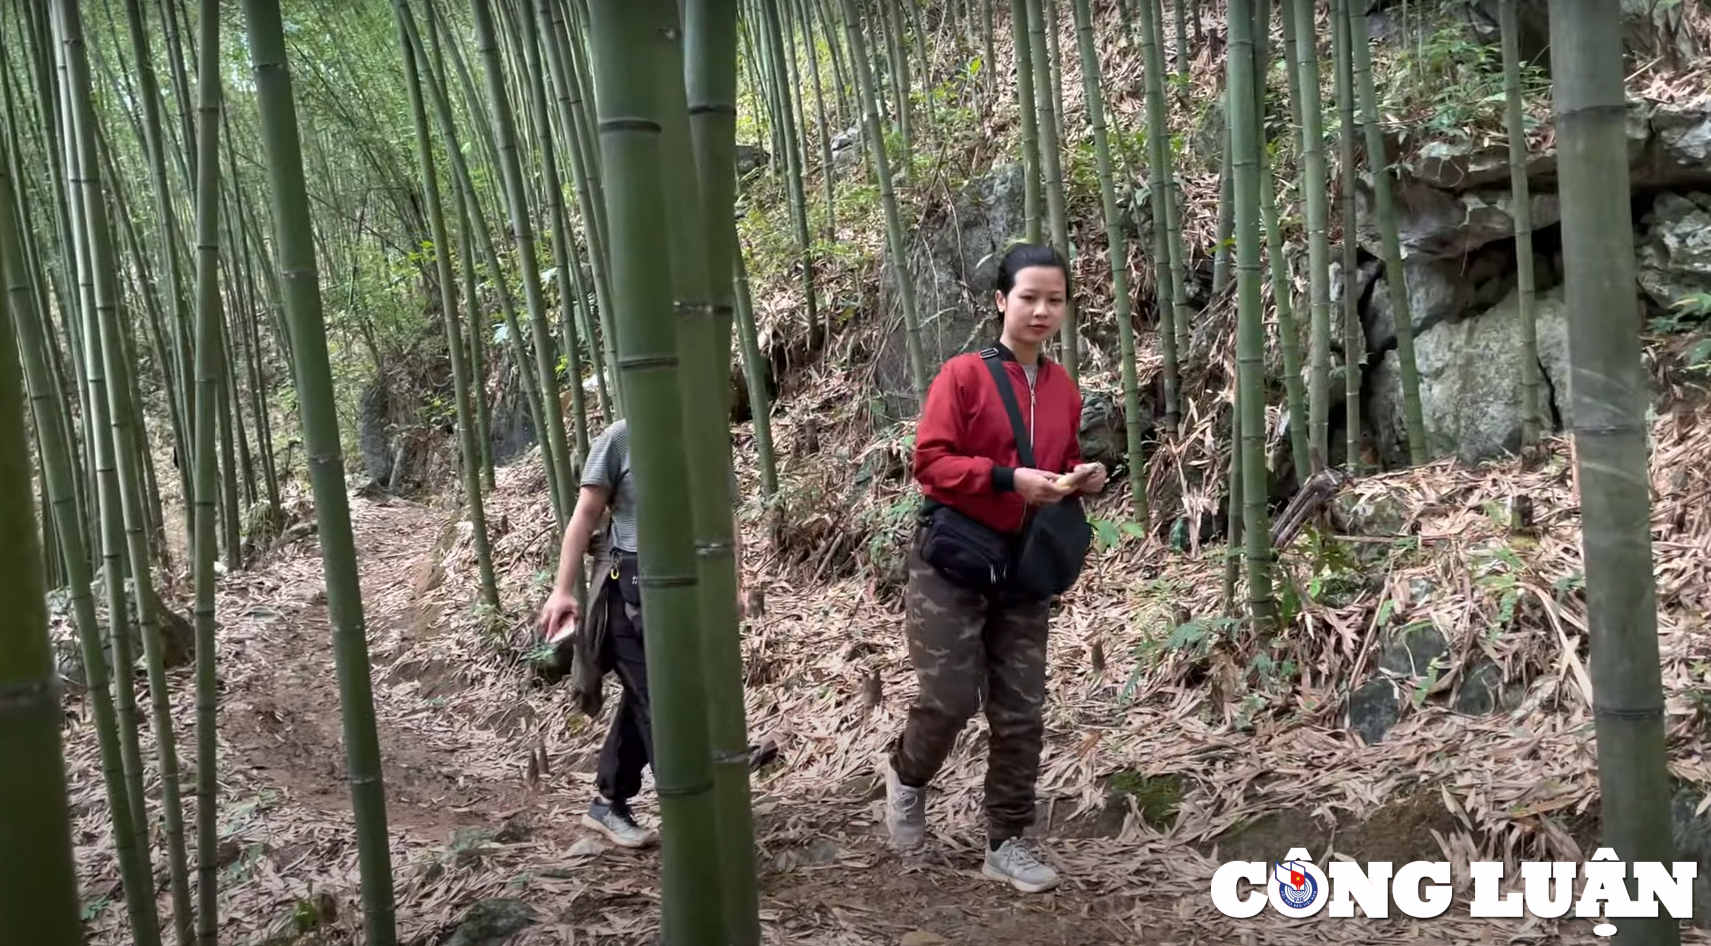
<point x="614" y="630"/>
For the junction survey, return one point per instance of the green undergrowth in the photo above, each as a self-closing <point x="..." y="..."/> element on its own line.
<point x="1156" y="798"/>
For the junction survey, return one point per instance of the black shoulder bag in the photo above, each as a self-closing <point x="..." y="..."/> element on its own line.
<point x="1054" y="542"/>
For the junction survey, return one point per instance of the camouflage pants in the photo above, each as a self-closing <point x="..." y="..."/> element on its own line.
<point x="966" y="648"/>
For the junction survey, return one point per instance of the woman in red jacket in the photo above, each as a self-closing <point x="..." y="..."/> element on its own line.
<point x="976" y="624"/>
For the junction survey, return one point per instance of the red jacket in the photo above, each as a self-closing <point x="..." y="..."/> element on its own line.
<point x="965" y="452"/>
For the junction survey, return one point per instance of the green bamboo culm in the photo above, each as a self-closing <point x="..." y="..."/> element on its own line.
<point x="1608" y="390"/>
<point x="1118" y="248"/>
<point x="1030" y="136"/>
<point x="1354" y="340"/>
<point x="1165" y="274"/>
<point x="204" y="476"/>
<point x="1282" y="290"/>
<point x="628" y="64"/>
<point x="1318" y="247"/>
<point x="1395" y="281"/>
<point x="704" y="339"/>
<point x="38" y="893"/>
<point x="555" y="456"/>
<point x="1520" y="201"/>
<point x="300" y="282"/>
<point x="53" y="444"/>
<point x="1250" y="325"/>
<point x="105" y="352"/>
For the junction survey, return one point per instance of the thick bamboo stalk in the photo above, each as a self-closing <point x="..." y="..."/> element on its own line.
<point x="1250" y="328"/>
<point x="1607" y="385"/>
<point x="626" y="36"/>
<point x="301" y="280"/>
<point x="38" y="892"/>
<point x="709" y="67"/>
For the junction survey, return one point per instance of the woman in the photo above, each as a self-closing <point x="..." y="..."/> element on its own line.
<point x="971" y="638"/>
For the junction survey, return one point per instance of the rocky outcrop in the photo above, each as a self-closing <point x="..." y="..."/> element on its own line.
<point x="953" y="262"/>
<point x="1674" y="258"/>
<point x="1651" y="29"/>
<point x="1470" y="382"/>
<point x="1456" y="229"/>
<point x="953" y="266"/>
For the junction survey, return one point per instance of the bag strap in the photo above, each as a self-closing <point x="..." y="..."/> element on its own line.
<point x="1008" y="393"/>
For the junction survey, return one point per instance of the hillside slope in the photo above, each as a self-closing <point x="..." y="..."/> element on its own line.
<point x="1429" y="700"/>
<point x="1152" y="774"/>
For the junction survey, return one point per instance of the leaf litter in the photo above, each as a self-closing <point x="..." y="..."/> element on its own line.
<point x="460" y="719"/>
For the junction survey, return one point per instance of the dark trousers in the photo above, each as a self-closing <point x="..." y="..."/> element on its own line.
<point x="630" y="741"/>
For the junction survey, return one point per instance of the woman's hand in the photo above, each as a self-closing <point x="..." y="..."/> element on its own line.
<point x="1039" y="487"/>
<point x="560" y="615"/>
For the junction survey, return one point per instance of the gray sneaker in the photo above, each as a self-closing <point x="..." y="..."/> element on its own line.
<point x="614" y="820"/>
<point x="1016" y="864"/>
<point x="905" y="811"/>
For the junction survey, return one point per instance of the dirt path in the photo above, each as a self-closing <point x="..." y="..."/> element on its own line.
<point x="456" y="790"/>
<point x="459" y="720"/>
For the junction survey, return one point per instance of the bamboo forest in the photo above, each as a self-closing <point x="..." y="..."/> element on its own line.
<point x="321" y="322"/>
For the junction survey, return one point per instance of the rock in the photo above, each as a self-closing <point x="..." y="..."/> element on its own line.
<point x="1482" y="690"/>
<point x="1366" y="271"/>
<point x="177" y="636"/>
<point x="1438" y="290"/>
<point x="849" y="147"/>
<point x="1440" y="224"/>
<point x="1459" y="166"/>
<point x="1406" y="655"/>
<point x="491" y="922"/>
<point x="1373" y="709"/>
<point x="1379" y="515"/>
<point x="1673" y="259"/>
<point x="1650" y="29"/>
<point x="922" y="938"/>
<point x="1470" y="374"/>
<point x="1410" y="651"/>
<point x="1682" y="133"/>
<point x="374" y="430"/>
<point x="511" y="425"/>
<point x="1104" y="432"/>
<point x="953" y="260"/>
<point x="750" y="158"/>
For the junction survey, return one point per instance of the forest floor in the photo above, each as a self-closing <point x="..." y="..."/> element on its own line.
<point x="828" y="680"/>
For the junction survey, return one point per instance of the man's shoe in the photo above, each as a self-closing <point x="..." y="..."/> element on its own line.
<point x="614" y="820"/>
<point x="1016" y="864"/>
<point x="905" y="811"/>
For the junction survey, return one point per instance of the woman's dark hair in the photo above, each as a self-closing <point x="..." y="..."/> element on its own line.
<point x="1023" y="255"/>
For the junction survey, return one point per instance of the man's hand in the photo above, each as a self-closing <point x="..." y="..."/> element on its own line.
<point x="560" y="615"/>
<point x="1092" y="476"/>
<point x="1039" y="487"/>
